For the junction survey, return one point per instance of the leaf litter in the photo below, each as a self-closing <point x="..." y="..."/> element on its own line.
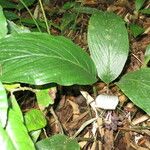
<point x="125" y="128"/>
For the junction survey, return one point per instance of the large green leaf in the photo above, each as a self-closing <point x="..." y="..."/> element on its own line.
<point x="39" y="58"/>
<point x="3" y="105"/>
<point x="108" y="43"/>
<point x="15" y="107"/>
<point x="58" y="142"/>
<point x="5" y="141"/>
<point x="3" y="24"/>
<point x="18" y="132"/>
<point x="136" y="85"/>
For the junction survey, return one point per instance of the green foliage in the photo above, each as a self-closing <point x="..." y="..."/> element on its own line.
<point x="136" y="85"/>
<point x="145" y="11"/>
<point x="51" y="58"/>
<point x="34" y="120"/>
<point x="15" y="135"/>
<point x="43" y="98"/>
<point x="5" y="140"/>
<point x="19" y="6"/>
<point x="7" y="4"/>
<point x="16" y="29"/>
<point x="108" y="44"/>
<point x="139" y="4"/>
<point x="136" y="30"/>
<point x="3" y="106"/>
<point x="67" y="20"/>
<point x="3" y="24"/>
<point x="39" y="58"/>
<point x="58" y="142"/>
<point x="18" y="132"/>
<point x="15" y="107"/>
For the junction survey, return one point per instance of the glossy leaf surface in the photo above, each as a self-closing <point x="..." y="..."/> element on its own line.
<point x="43" y="98"/>
<point x="38" y="58"/>
<point x="136" y="85"/>
<point x="3" y="105"/>
<point x="139" y="4"/>
<point x="5" y="141"/>
<point x="108" y="44"/>
<point x="58" y="142"/>
<point x="18" y="132"/>
<point x="3" y="24"/>
<point x="35" y="120"/>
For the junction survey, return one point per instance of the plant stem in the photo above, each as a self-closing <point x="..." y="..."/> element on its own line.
<point x="57" y="120"/>
<point x="45" y="19"/>
<point x="83" y="126"/>
<point x="31" y="15"/>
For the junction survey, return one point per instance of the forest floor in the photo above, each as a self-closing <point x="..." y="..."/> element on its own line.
<point x="126" y="129"/>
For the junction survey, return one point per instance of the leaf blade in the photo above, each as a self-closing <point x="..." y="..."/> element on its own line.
<point x="3" y="105"/>
<point x="3" y="24"/>
<point x="108" y="44"/>
<point x="136" y="85"/>
<point x="45" y="59"/>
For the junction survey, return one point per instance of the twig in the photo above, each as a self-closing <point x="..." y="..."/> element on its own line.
<point x="83" y="126"/>
<point x="137" y="58"/>
<point x="79" y="139"/>
<point x="31" y="15"/>
<point x="45" y="19"/>
<point x="57" y="120"/>
<point x="140" y="130"/>
<point x="140" y="119"/>
<point x="23" y="89"/>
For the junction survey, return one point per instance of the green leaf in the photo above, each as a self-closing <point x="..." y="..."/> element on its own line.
<point x="3" y="24"/>
<point x="145" y="11"/>
<point x="147" y="55"/>
<point x="16" y="29"/>
<point x="136" y="30"/>
<point x="26" y="2"/>
<point x="39" y="58"/>
<point x="139" y="4"/>
<point x="35" y="135"/>
<point x="68" y="20"/>
<point x="136" y="85"/>
<point x="15" y="107"/>
<point x="7" y="4"/>
<point x="68" y="5"/>
<point x="5" y="141"/>
<point x="34" y="120"/>
<point x="108" y="44"/>
<point x="43" y="98"/>
<point x="58" y="142"/>
<point x="10" y="15"/>
<point x="18" y="132"/>
<point x="3" y="105"/>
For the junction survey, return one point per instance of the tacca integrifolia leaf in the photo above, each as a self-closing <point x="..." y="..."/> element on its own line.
<point x="108" y="44"/>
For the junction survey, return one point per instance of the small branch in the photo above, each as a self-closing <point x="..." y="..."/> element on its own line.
<point x="22" y="89"/>
<point x="83" y="126"/>
<point x="31" y="15"/>
<point x="45" y="19"/>
<point x="57" y="120"/>
<point x="137" y="58"/>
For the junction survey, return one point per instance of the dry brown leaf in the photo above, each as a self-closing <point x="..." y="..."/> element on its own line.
<point x="75" y="108"/>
